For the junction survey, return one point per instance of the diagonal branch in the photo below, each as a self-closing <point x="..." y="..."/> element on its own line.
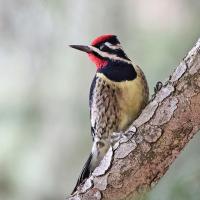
<point x="165" y="126"/>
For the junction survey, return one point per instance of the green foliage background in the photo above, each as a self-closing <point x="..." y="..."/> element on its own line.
<point x="44" y="85"/>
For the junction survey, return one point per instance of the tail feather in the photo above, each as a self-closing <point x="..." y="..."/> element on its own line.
<point x="85" y="173"/>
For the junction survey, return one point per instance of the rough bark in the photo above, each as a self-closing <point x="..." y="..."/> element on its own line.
<point x="154" y="140"/>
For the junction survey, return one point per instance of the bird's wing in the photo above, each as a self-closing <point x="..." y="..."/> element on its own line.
<point x="92" y="89"/>
<point x="103" y="108"/>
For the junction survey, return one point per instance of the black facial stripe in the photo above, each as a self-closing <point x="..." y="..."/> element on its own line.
<point x="119" y="53"/>
<point x="96" y="54"/>
<point x="105" y="48"/>
<point x="113" y="40"/>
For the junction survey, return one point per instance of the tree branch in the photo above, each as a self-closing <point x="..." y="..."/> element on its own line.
<point x="165" y="126"/>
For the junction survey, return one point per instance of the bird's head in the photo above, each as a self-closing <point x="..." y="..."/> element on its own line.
<point x="104" y="49"/>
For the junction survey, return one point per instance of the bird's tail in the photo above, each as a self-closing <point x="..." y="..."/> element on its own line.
<point x="85" y="173"/>
<point x="99" y="149"/>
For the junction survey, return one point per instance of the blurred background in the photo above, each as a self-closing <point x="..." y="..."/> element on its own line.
<point x="44" y="85"/>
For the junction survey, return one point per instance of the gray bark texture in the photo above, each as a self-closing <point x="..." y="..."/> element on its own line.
<point x="154" y="140"/>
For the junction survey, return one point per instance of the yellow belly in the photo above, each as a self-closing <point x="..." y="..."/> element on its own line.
<point x="131" y="102"/>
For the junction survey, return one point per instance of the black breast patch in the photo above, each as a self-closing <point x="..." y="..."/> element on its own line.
<point x="119" y="71"/>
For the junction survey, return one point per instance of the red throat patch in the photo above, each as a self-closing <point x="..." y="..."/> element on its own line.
<point x="101" y="39"/>
<point x="97" y="61"/>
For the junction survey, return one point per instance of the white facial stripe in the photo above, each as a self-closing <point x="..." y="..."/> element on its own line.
<point x="108" y="44"/>
<point x="111" y="46"/>
<point x="115" y="47"/>
<point x="107" y="55"/>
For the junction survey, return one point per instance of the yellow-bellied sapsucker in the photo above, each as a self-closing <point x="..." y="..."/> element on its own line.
<point x="118" y="93"/>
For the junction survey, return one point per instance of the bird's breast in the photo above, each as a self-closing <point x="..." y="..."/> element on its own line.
<point x="131" y="100"/>
<point x="131" y="97"/>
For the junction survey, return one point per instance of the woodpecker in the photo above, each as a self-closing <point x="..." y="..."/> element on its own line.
<point x="118" y="93"/>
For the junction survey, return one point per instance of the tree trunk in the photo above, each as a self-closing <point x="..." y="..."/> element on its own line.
<point x="154" y="140"/>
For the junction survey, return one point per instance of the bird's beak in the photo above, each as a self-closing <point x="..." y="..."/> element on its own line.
<point x="84" y="48"/>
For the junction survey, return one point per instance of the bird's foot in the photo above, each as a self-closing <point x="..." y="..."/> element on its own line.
<point x="116" y="136"/>
<point x="157" y="88"/>
<point x="120" y="137"/>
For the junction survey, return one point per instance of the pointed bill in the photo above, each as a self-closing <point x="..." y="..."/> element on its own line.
<point x="84" y="48"/>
